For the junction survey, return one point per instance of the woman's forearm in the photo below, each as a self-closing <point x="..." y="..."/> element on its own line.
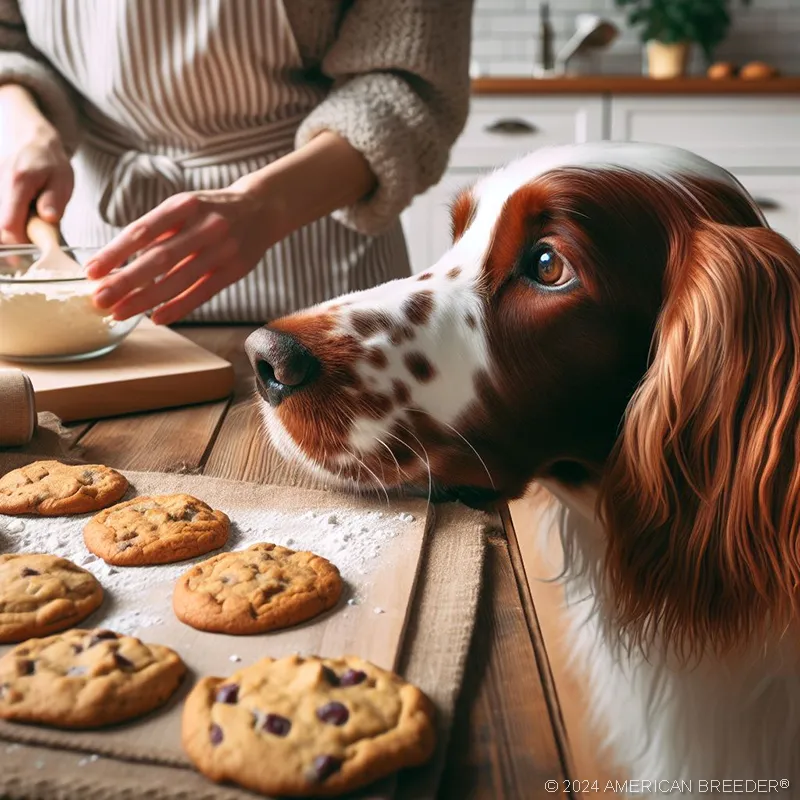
<point x="326" y="174"/>
<point x="19" y="115"/>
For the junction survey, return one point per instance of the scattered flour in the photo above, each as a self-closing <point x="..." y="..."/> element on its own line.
<point x="353" y="544"/>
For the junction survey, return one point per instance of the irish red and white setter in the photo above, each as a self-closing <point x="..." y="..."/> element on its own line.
<point x="617" y="321"/>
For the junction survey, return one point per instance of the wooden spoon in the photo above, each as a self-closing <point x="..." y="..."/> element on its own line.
<point x="52" y="259"/>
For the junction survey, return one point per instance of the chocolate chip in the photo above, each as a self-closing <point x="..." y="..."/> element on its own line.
<point x="330" y="676"/>
<point x="352" y="677"/>
<point x="215" y="734"/>
<point x="276" y="725"/>
<point x="99" y="635"/>
<point x="333" y="713"/>
<point x="26" y="572"/>
<point x="325" y="766"/>
<point x="122" y="662"/>
<point x="75" y="671"/>
<point x="228" y="693"/>
<point x="77" y="648"/>
<point x="26" y="667"/>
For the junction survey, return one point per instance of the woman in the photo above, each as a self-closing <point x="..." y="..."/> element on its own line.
<point x="255" y="154"/>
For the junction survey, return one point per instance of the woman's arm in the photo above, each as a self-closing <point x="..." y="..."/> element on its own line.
<point x="17" y="109"/>
<point x="214" y="238"/>
<point x="38" y="131"/>
<point x="22" y="66"/>
<point x="400" y="96"/>
<point x="34" y="168"/>
<point x="325" y="174"/>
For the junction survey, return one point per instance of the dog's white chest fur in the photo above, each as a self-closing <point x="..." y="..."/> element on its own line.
<point x="732" y="718"/>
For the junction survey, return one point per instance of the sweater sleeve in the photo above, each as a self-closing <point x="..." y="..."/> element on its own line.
<point x="22" y="64"/>
<point x="400" y="96"/>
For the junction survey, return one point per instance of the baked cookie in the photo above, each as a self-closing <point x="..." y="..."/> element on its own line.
<point x="304" y="727"/>
<point x="255" y="590"/>
<point x="41" y="594"/>
<point x="86" y="679"/>
<point x="156" y="530"/>
<point x="50" y="488"/>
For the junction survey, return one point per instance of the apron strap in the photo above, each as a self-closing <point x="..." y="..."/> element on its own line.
<point x="139" y="182"/>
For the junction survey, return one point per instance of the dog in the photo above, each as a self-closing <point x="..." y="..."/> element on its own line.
<point x="618" y="322"/>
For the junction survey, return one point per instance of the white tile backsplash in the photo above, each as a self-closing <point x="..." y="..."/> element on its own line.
<point x="505" y="35"/>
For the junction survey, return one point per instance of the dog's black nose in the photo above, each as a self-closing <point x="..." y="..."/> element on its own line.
<point x="282" y="365"/>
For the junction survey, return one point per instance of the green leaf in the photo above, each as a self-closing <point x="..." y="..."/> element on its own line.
<point x="703" y="21"/>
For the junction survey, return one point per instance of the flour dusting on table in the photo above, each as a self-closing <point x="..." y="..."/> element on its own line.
<point x="352" y="541"/>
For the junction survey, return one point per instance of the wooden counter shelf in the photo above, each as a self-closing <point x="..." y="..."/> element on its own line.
<point x="635" y="84"/>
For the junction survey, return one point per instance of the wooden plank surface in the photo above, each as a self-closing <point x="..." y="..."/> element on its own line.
<point x="635" y="84"/>
<point x="542" y="559"/>
<point x="503" y="745"/>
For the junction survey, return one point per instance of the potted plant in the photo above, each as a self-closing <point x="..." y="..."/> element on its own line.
<point x="670" y="27"/>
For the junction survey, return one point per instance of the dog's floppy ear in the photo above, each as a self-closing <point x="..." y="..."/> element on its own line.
<point x="701" y="496"/>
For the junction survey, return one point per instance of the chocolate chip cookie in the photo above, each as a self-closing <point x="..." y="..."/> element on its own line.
<point x="41" y="594"/>
<point x="255" y="590"/>
<point x="305" y="727"/>
<point x="50" y="488"/>
<point x="86" y="679"/>
<point x="156" y="530"/>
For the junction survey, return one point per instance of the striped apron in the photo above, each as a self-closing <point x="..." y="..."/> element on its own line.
<point x="190" y="95"/>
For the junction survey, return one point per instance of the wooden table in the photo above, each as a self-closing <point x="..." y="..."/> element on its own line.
<point x="508" y="737"/>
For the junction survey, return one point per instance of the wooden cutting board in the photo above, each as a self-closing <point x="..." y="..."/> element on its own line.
<point x="154" y="368"/>
<point x="380" y="590"/>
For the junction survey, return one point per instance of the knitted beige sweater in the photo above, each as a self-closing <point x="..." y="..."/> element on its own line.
<point x="398" y="77"/>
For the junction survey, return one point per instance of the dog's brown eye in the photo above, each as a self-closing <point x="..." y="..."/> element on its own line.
<point x="547" y="268"/>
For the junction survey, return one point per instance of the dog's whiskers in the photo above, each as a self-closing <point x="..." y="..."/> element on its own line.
<point x="460" y="436"/>
<point x="427" y="460"/>
<point x="378" y="482"/>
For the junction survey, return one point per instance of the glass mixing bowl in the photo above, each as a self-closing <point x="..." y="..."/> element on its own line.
<point x="44" y="318"/>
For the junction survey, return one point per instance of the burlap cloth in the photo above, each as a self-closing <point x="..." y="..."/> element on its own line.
<point x="40" y="763"/>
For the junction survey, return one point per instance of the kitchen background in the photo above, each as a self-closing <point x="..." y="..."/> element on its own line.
<point x="505" y="35"/>
<point x="750" y="126"/>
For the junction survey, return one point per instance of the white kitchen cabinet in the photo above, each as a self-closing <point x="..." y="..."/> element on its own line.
<point x="427" y="222"/>
<point x="735" y="132"/>
<point x="757" y="138"/>
<point x="779" y="198"/>
<point x="500" y="129"/>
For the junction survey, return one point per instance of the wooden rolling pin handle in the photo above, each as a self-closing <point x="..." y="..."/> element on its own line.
<point x="18" y="402"/>
<point x="43" y="234"/>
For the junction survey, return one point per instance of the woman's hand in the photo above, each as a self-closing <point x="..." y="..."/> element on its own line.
<point x="34" y="168"/>
<point x="197" y="243"/>
<point x="189" y="248"/>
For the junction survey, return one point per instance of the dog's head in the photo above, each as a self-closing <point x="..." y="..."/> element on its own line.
<point x="613" y="311"/>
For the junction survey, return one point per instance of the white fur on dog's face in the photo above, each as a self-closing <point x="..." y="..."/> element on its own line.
<point x="408" y="366"/>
